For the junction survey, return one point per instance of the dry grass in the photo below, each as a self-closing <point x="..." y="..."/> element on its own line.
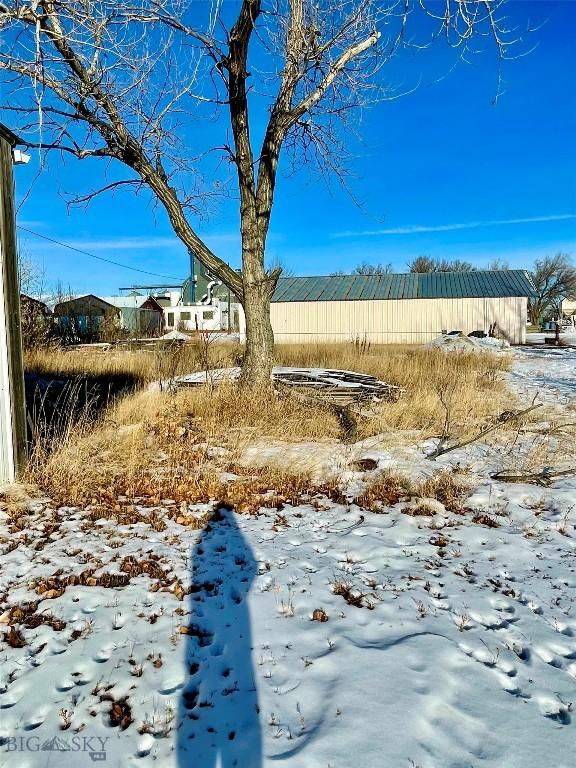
<point x="446" y="489"/>
<point x="471" y="383"/>
<point x="142" y="365"/>
<point x="387" y="489"/>
<point x="155" y="445"/>
<point x="422" y="509"/>
<point x="391" y="487"/>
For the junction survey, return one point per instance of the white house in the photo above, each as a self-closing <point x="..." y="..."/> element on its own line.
<point x="195" y="317"/>
<point x="209" y="314"/>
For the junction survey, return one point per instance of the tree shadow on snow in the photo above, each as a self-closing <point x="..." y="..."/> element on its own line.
<point x="219" y="713"/>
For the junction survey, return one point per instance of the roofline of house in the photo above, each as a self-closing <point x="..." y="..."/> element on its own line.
<point x="32" y="299"/>
<point x="85" y="296"/>
<point x="151" y="298"/>
<point x="414" y="285"/>
<point x="128" y="305"/>
<point x="9" y="136"/>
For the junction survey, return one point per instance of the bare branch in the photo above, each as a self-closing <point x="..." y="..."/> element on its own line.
<point x="442" y="448"/>
<point x="87" y="199"/>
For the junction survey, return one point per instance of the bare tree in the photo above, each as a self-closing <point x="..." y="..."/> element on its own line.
<point x="372" y="269"/>
<point x="554" y="279"/>
<point x="498" y="265"/>
<point x="31" y="277"/>
<point x="422" y="264"/>
<point x="129" y="81"/>
<point x="367" y="269"/>
<point x="35" y="318"/>
<point x="428" y="264"/>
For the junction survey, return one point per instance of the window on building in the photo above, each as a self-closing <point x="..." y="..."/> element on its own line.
<point x="185" y="316"/>
<point x="208" y="315"/>
<point x="170" y="321"/>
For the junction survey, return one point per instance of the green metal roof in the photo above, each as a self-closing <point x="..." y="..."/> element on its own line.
<point x="425" y="285"/>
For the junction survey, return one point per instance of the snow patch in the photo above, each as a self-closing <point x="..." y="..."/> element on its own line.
<point x="460" y="343"/>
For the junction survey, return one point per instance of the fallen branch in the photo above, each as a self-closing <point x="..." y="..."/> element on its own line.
<point x="544" y="477"/>
<point x="547" y="431"/>
<point x="348" y="527"/>
<point x="504" y="418"/>
<point x="558" y="428"/>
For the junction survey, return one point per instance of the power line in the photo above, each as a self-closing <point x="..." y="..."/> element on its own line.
<point x="93" y="256"/>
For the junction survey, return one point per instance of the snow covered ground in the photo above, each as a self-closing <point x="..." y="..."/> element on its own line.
<point x="548" y="373"/>
<point x="321" y="635"/>
<point x="567" y="336"/>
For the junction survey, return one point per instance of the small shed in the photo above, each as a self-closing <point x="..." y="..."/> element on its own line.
<point x="84" y="317"/>
<point x="138" y="313"/>
<point x="411" y="308"/>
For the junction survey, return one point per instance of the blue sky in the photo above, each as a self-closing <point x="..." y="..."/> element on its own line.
<point x="441" y="171"/>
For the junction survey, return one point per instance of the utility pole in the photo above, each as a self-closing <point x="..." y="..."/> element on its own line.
<point x="12" y="403"/>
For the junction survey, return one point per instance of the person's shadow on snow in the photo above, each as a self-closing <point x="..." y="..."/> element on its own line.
<point x="219" y="720"/>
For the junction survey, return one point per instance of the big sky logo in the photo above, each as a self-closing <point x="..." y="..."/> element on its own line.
<point x="93" y="747"/>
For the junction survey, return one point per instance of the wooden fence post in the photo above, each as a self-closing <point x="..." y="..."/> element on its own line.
<point x="12" y="403"/>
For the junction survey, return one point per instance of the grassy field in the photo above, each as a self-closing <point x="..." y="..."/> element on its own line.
<point x="160" y="445"/>
<point x="142" y="365"/>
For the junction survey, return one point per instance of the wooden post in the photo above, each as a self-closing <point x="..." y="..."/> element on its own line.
<point x="12" y="404"/>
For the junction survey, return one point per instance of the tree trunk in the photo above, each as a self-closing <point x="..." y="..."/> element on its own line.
<point x="259" y="353"/>
<point x="535" y="312"/>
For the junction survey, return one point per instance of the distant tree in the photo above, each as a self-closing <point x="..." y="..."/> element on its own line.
<point x="428" y="264"/>
<point x="554" y="279"/>
<point x="455" y="266"/>
<point x="422" y="264"/>
<point x="498" y="265"/>
<point x="30" y="276"/>
<point x="372" y="269"/>
<point x="366" y="269"/>
<point x="36" y="323"/>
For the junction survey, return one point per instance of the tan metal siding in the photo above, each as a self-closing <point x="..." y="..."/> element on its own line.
<point x="405" y="321"/>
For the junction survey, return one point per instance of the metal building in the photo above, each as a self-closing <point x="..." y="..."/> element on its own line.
<point x="138" y="314"/>
<point x="82" y="318"/>
<point x="400" y="309"/>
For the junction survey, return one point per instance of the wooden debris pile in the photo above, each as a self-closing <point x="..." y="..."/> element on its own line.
<point x="344" y="387"/>
<point x="341" y="387"/>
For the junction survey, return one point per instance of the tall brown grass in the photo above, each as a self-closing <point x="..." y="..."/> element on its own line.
<point x="161" y="444"/>
<point x="472" y="384"/>
<point x="144" y="365"/>
<point x="175" y="445"/>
